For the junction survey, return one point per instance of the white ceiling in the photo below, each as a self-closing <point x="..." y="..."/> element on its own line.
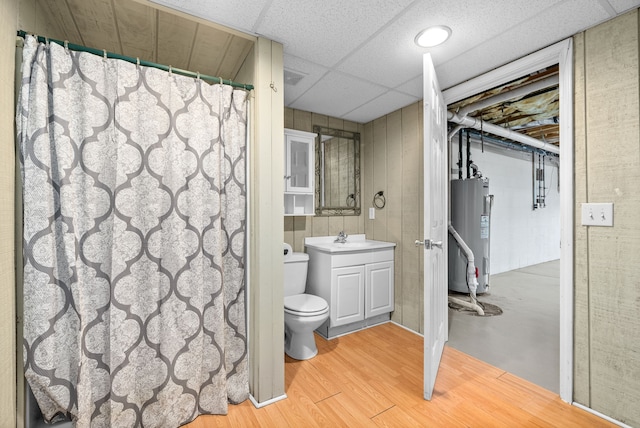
<point x="359" y="58"/>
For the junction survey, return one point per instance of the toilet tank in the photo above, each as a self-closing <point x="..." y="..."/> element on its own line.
<point x="295" y="273"/>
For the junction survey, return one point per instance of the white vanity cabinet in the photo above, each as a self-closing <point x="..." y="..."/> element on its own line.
<point x="299" y="172"/>
<point x="355" y="278"/>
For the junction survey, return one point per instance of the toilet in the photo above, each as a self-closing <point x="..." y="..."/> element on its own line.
<point x="303" y="313"/>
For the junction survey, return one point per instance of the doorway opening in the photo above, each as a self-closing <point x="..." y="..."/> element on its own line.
<point x="560" y="54"/>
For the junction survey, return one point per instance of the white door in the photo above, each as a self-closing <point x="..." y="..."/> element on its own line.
<point x="435" y="226"/>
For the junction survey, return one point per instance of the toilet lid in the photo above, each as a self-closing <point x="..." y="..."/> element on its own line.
<point x="305" y="304"/>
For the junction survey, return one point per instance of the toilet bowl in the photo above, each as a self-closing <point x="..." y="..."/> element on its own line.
<point x="303" y="313"/>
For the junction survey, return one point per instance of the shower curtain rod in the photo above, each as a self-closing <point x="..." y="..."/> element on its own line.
<point x="169" y="68"/>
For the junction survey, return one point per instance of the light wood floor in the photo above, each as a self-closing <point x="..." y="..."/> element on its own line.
<point x="373" y="378"/>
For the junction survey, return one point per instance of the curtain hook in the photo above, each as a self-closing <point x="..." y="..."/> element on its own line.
<point x="104" y="51"/>
<point x="170" y="71"/>
<point x="197" y="75"/>
<point x="66" y="46"/>
<point x="221" y="80"/>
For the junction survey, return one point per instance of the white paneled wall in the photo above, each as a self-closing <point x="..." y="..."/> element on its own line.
<point x="520" y="236"/>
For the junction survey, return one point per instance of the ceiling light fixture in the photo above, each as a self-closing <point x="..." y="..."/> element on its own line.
<point x="433" y="36"/>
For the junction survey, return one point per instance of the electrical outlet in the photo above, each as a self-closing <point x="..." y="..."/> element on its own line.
<point x="597" y="214"/>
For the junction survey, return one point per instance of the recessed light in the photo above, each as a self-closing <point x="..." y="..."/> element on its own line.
<point x="433" y="36"/>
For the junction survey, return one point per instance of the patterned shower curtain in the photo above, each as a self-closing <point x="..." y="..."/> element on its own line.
<point x="134" y="237"/>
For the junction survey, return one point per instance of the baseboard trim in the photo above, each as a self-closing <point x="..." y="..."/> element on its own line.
<point x="407" y="328"/>
<point x="605" y="417"/>
<point x="266" y="403"/>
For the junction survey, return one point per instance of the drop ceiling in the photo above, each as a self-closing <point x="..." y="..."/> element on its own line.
<point x="354" y="59"/>
<point x="359" y="58"/>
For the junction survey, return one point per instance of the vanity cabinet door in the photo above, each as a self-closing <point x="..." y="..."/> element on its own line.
<point x="379" y="289"/>
<point x="347" y="295"/>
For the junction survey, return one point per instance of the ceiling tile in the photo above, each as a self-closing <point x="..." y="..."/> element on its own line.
<point x="336" y="94"/>
<point x="313" y="72"/>
<point x="623" y="5"/>
<point x="380" y="106"/>
<point x="550" y="26"/>
<point x="392" y="58"/>
<point x="325" y="32"/>
<point x="412" y="87"/>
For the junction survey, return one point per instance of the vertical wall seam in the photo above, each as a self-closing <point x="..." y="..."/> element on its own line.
<point x="386" y="174"/>
<point x="586" y="183"/>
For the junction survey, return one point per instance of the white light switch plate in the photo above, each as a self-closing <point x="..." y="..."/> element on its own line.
<point x="372" y="213"/>
<point x="597" y="214"/>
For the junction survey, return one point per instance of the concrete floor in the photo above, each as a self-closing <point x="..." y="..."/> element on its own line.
<point x="525" y="339"/>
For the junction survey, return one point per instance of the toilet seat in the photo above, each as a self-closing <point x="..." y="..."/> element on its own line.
<point x="305" y="305"/>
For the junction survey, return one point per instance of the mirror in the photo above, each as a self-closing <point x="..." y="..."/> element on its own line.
<point x="337" y="172"/>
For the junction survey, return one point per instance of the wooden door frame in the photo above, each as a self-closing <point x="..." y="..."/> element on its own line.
<point x="560" y="53"/>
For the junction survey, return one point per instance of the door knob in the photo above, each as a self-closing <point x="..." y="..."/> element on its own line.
<point x="429" y="244"/>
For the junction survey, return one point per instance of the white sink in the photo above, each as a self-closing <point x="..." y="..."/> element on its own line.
<point x="353" y="243"/>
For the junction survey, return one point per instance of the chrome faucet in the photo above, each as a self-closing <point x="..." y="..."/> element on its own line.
<point x="342" y="237"/>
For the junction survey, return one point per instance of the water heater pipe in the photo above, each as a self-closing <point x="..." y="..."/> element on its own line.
<point x="471" y="122"/>
<point x="472" y="281"/>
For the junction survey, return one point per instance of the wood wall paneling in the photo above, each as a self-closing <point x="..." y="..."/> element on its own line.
<point x="395" y="199"/>
<point x="140" y="29"/>
<point x="581" y="255"/>
<point x="210" y="51"/>
<point x="266" y="319"/>
<point x="174" y="50"/>
<point x="137" y="30"/>
<point x="611" y="173"/>
<point x="8" y="27"/>
<point x="412" y="197"/>
<point x="55" y="20"/>
<point x="96" y="22"/>
<point x="379" y="176"/>
<point x="366" y="176"/>
<point x="237" y="50"/>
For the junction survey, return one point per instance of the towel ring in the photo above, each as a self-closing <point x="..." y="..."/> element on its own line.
<point x="379" y="201"/>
